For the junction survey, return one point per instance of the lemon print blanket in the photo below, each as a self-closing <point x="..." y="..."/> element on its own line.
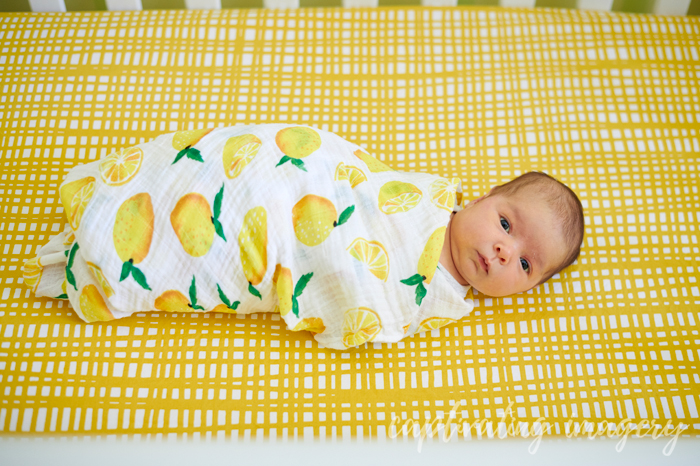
<point x="263" y="218"/>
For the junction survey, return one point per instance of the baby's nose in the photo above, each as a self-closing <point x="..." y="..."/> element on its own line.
<point x="504" y="251"/>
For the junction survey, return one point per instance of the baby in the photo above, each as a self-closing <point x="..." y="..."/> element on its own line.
<point x="295" y="220"/>
<point x="515" y="237"/>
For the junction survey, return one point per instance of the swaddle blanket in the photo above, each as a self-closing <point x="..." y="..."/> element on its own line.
<point x="263" y="218"/>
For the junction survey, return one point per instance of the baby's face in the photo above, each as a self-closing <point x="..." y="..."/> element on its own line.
<point x="504" y="245"/>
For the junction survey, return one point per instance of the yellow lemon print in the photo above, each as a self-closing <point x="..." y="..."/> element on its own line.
<point x="361" y="325"/>
<point x="132" y="234"/>
<point x="372" y="254"/>
<point x="173" y="301"/>
<point x="296" y="143"/>
<point x="195" y="224"/>
<point x="287" y="293"/>
<point x="192" y="221"/>
<point x="252" y="242"/>
<point x="184" y="140"/>
<point x="75" y="197"/>
<point x="285" y="288"/>
<point x="64" y="285"/>
<point x="93" y="306"/>
<point x="397" y="196"/>
<point x="443" y="193"/>
<point x="239" y="151"/>
<point x="223" y="308"/>
<point x="427" y="264"/>
<point x="312" y="324"/>
<point x="69" y="239"/>
<point x="432" y="323"/>
<point x="31" y="273"/>
<point x="405" y="328"/>
<point x="100" y="277"/>
<point x="349" y="173"/>
<point x="120" y="167"/>
<point x="314" y="217"/>
<point x="374" y="165"/>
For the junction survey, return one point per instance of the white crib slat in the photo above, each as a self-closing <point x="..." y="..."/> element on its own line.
<point x="47" y="5"/>
<point x="203" y="4"/>
<point x="280" y="3"/>
<point x="439" y="2"/>
<point x="518" y="3"/>
<point x="115" y="5"/>
<point x="671" y="7"/>
<point x="360" y="3"/>
<point x="605" y="5"/>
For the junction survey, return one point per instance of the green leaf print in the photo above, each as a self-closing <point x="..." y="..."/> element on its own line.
<point x="70" y="278"/>
<point x="284" y="159"/>
<point x="191" y="153"/>
<point x="253" y="291"/>
<point x="421" y="291"/>
<point x="299" y="164"/>
<point x="301" y="284"/>
<point x="139" y="277"/>
<point x="345" y="216"/>
<point x="193" y="296"/>
<point x="217" y="202"/>
<point x="225" y="299"/>
<point x="413" y="280"/>
<point x="126" y="270"/>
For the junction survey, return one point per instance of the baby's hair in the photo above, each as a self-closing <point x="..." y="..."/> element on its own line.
<point x="564" y="203"/>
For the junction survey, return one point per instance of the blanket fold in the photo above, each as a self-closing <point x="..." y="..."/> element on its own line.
<point x="264" y="218"/>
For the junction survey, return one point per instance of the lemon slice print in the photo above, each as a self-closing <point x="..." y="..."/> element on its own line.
<point x="100" y="277"/>
<point x="360" y="325"/>
<point x="427" y="264"/>
<point x="349" y="173"/>
<point x="239" y="151"/>
<point x="397" y="196"/>
<point x="432" y="323"/>
<point x="31" y="273"/>
<point x="374" y="165"/>
<point x="184" y="140"/>
<point x="296" y="143"/>
<point x="443" y="193"/>
<point x="75" y="197"/>
<point x="372" y="254"/>
<point x="312" y="324"/>
<point x="93" y="306"/>
<point x="119" y="168"/>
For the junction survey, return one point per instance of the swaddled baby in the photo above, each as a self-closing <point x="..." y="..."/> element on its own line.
<point x="295" y="220"/>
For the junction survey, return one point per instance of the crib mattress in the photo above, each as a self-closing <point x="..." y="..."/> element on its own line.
<point x="606" y="102"/>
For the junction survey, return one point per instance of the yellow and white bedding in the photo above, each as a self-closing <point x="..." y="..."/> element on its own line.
<point x="262" y="218"/>
<point x="605" y="102"/>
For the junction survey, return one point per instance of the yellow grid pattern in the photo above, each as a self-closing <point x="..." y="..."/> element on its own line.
<point x="606" y="102"/>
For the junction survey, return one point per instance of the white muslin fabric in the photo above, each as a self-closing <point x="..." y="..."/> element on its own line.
<point x="262" y="218"/>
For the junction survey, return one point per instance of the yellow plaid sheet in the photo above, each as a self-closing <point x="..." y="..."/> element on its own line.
<point x="608" y="103"/>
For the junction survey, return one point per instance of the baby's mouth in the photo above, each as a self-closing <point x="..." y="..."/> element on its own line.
<point x="483" y="263"/>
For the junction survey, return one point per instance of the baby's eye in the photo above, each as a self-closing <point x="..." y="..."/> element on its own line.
<point x="505" y="224"/>
<point x="525" y="265"/>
